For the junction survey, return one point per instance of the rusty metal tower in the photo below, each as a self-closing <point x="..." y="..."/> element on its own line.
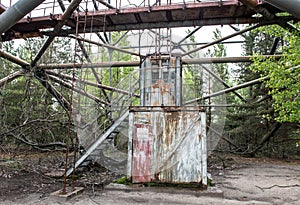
<point x="154" y="82"/>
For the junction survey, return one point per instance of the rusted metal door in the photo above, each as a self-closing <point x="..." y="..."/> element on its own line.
<point x="167" y="145"/>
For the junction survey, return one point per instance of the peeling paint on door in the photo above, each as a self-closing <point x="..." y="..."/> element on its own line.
<point x="168" y="145"/>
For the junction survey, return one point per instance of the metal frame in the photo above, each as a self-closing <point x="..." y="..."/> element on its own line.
<point x="116" y="19"/>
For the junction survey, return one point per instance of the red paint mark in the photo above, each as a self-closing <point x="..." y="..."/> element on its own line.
<point x="142" y="151"/>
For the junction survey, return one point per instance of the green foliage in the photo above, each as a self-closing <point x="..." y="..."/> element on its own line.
<point x="284" y="76"/>
<point x="219" y="50"/>
<point x="123" y="180"/>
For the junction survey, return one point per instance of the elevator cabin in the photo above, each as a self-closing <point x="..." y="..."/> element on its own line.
<point x="167" y="140"/>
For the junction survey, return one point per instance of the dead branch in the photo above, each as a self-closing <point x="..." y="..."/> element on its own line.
<point x="265" y="139"/>
<point x="279" y="186"/>
<point x="28" y="123"/>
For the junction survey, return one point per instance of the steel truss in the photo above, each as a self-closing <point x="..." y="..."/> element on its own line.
<point x="102" y="18"/>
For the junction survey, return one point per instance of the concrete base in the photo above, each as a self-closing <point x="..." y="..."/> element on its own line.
<point x="63" y="197"/>
<point x="209" y="192"/>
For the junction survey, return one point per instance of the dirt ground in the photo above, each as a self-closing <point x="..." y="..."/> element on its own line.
<point x="24" y="180"/>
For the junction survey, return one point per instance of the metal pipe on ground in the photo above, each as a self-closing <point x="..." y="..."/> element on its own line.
<point x="16" y="12"/>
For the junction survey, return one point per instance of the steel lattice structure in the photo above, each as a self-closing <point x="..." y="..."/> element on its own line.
<point x="89" y="23"/>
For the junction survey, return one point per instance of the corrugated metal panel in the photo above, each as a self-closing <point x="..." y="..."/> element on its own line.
<point x="172" y="147"/>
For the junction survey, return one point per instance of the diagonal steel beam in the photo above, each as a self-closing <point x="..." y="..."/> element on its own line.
<point x="92" y="83"/>
<point x="62" y="6"/>
<point x="243" y="85"/>
<point x="105" y="45"/>
<point x="120" y="38"/>
<point x="43" y="79"/>
<point x="291" y="6"/>
<point x="253" y="4"/>
<point x="69" y="85"/>
<point x="14" y="59"/>
<point x="189" y="35"/>
<point x="11" y="77"/>
<point x="223" y="83"/>
<point x="93" y="69"/>
<point x="40" y="74"/>
<point x="16" y="12"/>
<point x="222" y="39"/>
<point x="69" y="11"/>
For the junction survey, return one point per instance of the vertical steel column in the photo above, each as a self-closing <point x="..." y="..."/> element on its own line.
<point x="142" y="83"/>
<point x="203" y="148"/>
<point x="16" y="12"/>
<point x="130" y="144"/>
<point x="178" y="81"/>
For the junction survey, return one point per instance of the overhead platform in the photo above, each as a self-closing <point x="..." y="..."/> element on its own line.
<point x="166" y="16"/>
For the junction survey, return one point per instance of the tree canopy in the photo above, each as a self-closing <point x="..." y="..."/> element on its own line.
<point x="284" y="75"/>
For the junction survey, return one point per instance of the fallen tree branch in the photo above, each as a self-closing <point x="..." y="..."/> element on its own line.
<point x="264" y="139"/>
<point x="41" y="146"/>
<point x="279" y="186"/>
<point x="28" y="123"/>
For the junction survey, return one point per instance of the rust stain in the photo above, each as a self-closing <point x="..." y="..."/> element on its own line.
<point x="175" y="146"/>
<point x="142" y="150"/>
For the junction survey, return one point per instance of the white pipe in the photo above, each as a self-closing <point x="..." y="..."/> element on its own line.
<point x="290" y="6"/>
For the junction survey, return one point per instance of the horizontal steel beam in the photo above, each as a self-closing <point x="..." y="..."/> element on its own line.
<point x="98" y="85"/>
<point x="90" y="65"/>
<point x="173" y="24"/>
<point x="137" y="63"/>
<point x="226" y="59"/>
